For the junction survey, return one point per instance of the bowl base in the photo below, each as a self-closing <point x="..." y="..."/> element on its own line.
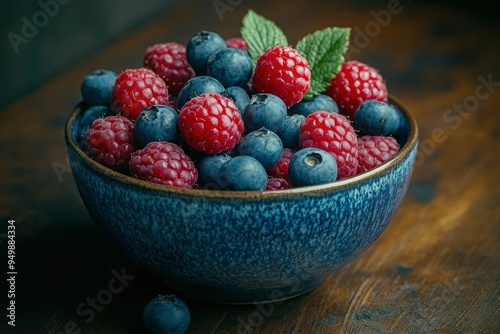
<point x="235" y="296"/>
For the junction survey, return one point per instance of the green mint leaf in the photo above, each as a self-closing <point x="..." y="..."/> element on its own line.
<point x="324" y="51"/>
<point x="260" y="34"/>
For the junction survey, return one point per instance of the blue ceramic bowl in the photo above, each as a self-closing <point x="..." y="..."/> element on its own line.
<point x="243" y="247"/>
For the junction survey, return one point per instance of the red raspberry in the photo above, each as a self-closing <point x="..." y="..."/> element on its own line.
<point x="236" y="42"/>
<point x="280" y="170"/>
<point x="277" y="183"/>
<point x="355" y="83"/>
<point x="164" y="163"/>
<point x="110" y="141"/>
<point x="169" y="61"/>
<point x="333" y="133"/>
<point x="211" y="123"/>
<point x="282" y="71"/>
<point x="136" y="89"/>
<point x="375" y="150"/>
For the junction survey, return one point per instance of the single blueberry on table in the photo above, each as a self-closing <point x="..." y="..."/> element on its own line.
<point x="264" y="145"/>
<point x="208" y="169"/>
<point x="156" y="123"/>
<point x="265" y="110"/>
<point x="232" y="67"/>
<point x="200" y="47"/>
<point x="240" y="97"/>
<point x="376" y="118"/>
<point x="318" y="102"/>
<point x="197" y="86"/>
<point x="290" y="133"/>
<point x="166" y="314"/>
<point x="311" y="166"/>
<point x="242" y="172"/>
<point x="97" y="87"/>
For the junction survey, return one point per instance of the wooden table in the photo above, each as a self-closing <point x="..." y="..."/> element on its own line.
<point x="435" y="269"/>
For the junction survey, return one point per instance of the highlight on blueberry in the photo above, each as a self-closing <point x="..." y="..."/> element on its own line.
<point x="166" y="314"/>
<point x="311" y="166"/>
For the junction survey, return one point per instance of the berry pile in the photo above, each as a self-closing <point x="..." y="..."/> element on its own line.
<point x="241" y="113"/>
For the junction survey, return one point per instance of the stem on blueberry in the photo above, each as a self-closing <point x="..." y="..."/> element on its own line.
<point x="313" y="159"/>
<point x="167" y="299"/>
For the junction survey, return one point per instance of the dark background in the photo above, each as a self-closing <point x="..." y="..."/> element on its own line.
<point x="73" y="29"/>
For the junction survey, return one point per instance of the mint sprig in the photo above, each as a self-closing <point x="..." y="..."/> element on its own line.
<point x="260" y="34"/>
<point x="324" y="51"/>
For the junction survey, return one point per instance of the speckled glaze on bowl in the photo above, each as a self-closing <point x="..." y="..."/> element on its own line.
<point x="243" y="247"/>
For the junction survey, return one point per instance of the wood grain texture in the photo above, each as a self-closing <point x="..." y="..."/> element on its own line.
<point x="435" y="269"/>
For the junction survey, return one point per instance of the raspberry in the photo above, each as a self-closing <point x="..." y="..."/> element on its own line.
<point x="354" y="84"/>
<point x="164" y="163"/>
<point x="277" y="183"/>
<point x="280" y="170"/>
<point x="333" y="133"/>
<point x="169" y="61"/>
<point x="136" y="89"/>
<point x="282" y="71"/>
<point x="211" y="123"/>
<point x="110" y="141"/>
<point x="237" y="43"/>
<point x="375" y="150"/>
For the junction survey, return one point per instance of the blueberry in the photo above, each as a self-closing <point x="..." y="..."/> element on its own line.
<point x="209" y="168"/>
<point x="318" y="102"/>
<point x="97" y="87"/>
<point x="232" y="67"/>
<point x="197" y="86"/>
<point x="90" y="115"/>
<point x="239" y="96"/>
<point x="403" y="129"/>
<point x="290" y="133"/>
<point x="156" y="123"/>
<point x="242" y="172"/>
<point x="311" y="166"/>
<point x="376" y="118"/>
<point x="263" y="145"/>
<point x="265" y="110"/>
<point x="200" y="47"/>
<point x="166" y="314"/>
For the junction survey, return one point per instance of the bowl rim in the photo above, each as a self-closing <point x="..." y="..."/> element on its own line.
<point x="253" y="195"/>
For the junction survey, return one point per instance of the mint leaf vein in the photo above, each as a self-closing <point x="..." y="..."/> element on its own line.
<point x="260" y="34"/>
<point x="324" y="51"/>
